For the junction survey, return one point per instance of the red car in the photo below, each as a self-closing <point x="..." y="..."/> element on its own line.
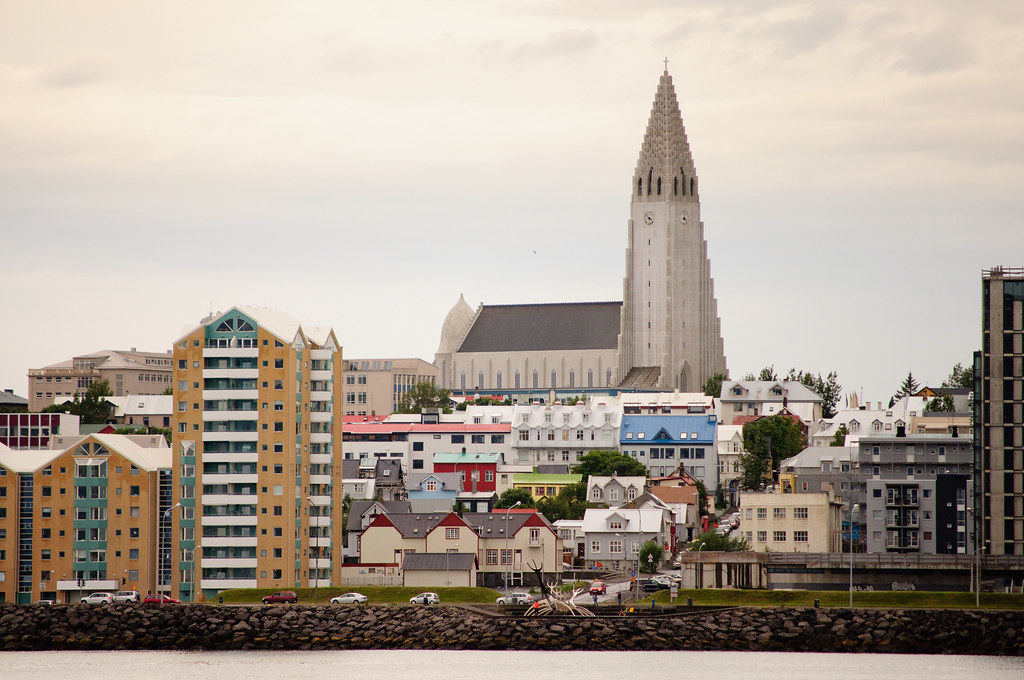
<point x="159" y="598"/>
<point x="281" y="596"/>
<point x="598" y="588"/>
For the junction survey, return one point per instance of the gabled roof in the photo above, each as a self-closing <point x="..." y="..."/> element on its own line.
<point x="603" y="481"/>
<point x="596" y="519"/>
<point x="560" y="326"/>
<point x="449" y="481"/>
<point x="539" y="478"/>
<point x="766" y="390"/>
<point x="466" y="458"/>
<point x="676" y="494"/>
<point x="359" y="508"/>
<point x="439" y="561"/>
<point x="679" y="428"/>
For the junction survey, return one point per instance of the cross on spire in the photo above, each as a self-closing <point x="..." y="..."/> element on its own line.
<point x="666" y="64"/>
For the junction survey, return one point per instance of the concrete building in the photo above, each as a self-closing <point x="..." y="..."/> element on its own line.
<point x="128" y="372"/>
<point x="744" y="400"/>
<point x="791" y="522"/>
<point x="376" y="386"/>
<point x="85" y="518"/>
<point x="257" y="452"/>
<point x="667" y="443"/>
<point x="561" y="433"/>
<point x="35" y="430"/>
<point x="999" y="413"/>
<point x="664" y="335"/>
<point x="142" y="410"/>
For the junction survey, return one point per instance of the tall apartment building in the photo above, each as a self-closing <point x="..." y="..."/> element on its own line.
<point x="88" y="516"/>
<point x="376" y="386"/>
<point x="999" y="412"/>
<point x="257" y="441"/>
<point x="127" y="371"/>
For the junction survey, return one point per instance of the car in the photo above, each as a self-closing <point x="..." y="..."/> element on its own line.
<point x="159" y="598"/>
<point x="281" y="597"/>
<point x="515" y="598"/>
<point x="650" y="585"/>
<point x="349" y="598"/>
<point x="425" y="598"/>
<point x="45" y="602"/>
<point x="123" y="596"/>
<point x="598" y="588"/>
<point x="97" y="598"/>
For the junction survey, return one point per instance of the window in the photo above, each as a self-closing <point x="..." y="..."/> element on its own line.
<point x="478" y="438"/>
<point x="451" y="533"/>
<point x="799" y="536"/>
<point x="778" y="513"/>
<point x="762" y="513"/>
<point x="595" y="546"/>
<point x="491" y="556"/>
<point x="762" y="536"/>
<point x="615" y="547"/>
<point x="779" y="536"/>
<point x="497" y="439"/>
<point x="458" y="439"/>
<point x="800" y="513"/>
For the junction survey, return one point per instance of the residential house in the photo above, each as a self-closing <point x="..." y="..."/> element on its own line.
<point x="388" y="480"/>
<point x="478" y="472"/>
<point x="433" y="492"/>
<point x="541" y="485"/>
<point x="665" y="442"/>
<point x="614" y="490"/>
<point x="614" y="536"/>
<point x="684" y="502"/>
<point x="730" y="449"/>
<point x="743" y="399"/>
<point x="360" y="515"/>
<point x="791" y="522"/>
<point x="561" y="433"/>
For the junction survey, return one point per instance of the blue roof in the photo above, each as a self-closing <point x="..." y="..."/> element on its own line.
<point x="668" y="429"/>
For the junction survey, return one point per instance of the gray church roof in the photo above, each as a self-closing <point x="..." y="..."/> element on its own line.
<point x="560" y="326"/>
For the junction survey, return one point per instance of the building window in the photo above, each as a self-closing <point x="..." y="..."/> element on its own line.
<point x="451" y="533"/>
<point x="778" y="513"/>
<point x="799" y="536"/>
<point x="762" y="513"/>
<point x="595" y="547"/>
<point x="800" y="513"/>
<point x="615" y="547"/>
<point x="779" y="536"/>
<point x="491" y="556"/>
<point x="458" y="439"/>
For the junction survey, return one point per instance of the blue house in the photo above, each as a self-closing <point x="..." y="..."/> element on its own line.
<point x="433" y="491"/>
<point x="666" y="443"/>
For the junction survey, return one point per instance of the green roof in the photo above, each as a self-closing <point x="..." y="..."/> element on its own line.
<point x="467" y="458"/>
<point x="538" y="478"/>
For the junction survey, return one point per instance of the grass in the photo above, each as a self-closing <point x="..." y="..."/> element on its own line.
<point x="376" y="594"/>
<point x="841" y="598"/>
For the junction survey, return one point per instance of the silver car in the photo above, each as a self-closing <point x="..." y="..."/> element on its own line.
<point x="425" y="598"/>
<point x="349" y="598"/>
<point x="98" y="598"/>
<point x="123" y="596"/>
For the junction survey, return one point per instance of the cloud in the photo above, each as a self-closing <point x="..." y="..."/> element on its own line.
<point x="941" y="50"/>
<point x="78" y="71"/>
<point x="557" y="44"/>
<point x="806" y="33"/>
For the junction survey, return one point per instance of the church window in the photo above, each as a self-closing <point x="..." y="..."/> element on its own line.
<point x="536" y="380"/>
<point x="590" y="377"/>
<point x="554" y="378"/>
<point x="639" y="186"/>
<point x="480" y="379"/>
<point x="675" y="186"/>
<point x="682" y="174"/>
<point x="608" y="378"/>
<point x="462" y="380"/>
<point x="650" y="178"/>
<point x="691" y="186"/>
<point x="572" y="378"/>
<point x="517" y="380"/>
<point x="659" y="186"/>
<point x="498" y="381"/>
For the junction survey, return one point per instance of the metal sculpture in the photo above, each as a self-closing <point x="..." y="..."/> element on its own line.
<point x="553" y="603"/>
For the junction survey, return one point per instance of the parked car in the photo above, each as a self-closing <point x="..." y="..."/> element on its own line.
<point x="349" y="598"/>
<point x="515" y="598"/>
<point x="598" y="588"/>
<point x="98" y="598"/>
<point x="425" y="598"/>
<point x="650" y="585"/>
<point x="281" y="597"/>
<point x="123" y="596"/>
<point x="159" y="598"/>
<point x="45" y="602"/>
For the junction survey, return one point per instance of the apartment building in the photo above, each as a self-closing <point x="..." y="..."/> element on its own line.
<point x="561" y="433"/>
<point x="376" y="386"/>
<point x="791" y="522"/>
<point x="257" y="440"/>
<point x="91" y="516"/>
<point x="35" y="430"/>
<point x="665" y="443"/>
<point x="127" y="371"/>
<point x="999" y="412"/>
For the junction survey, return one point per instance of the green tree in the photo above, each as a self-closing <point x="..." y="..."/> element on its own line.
<point x="713" y="385"/>
<point x="713" y="541"/>
<point x="828" y="388"/>
<point x="482" y="401"/>
<point x="604" y="463"/>
<point x="768" y="440"/>
<point x="839" y="438"/>
<point x="702" y="498"/>
<point x="768" y="374"/>
<point x="908" y="387"/>
<point x="510" y="497"/>
<point x="941" y="403"/>
<point x="346" y="508"/>
<point x="962" y="378"/>
<point x="92" y="407"/>
<point x="651" y="555"/>
<point x="423" y="395"/>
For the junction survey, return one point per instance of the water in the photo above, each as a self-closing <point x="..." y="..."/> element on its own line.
<point x="518" y="665"/>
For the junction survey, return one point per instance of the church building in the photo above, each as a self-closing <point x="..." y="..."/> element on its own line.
<point x="665" y="335"/>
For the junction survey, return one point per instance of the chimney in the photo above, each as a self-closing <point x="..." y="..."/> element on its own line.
<point x="901" y="431"/>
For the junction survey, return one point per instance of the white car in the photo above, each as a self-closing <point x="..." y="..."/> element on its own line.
<point x="425" y="598"/>
<point x="98" y="598"/>
<point x="515" y="598"/>
<point x="123" y="596"/>
<point x="349" y="598"/>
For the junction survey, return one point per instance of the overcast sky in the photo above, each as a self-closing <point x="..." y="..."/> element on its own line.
<point x="361" y="164"/>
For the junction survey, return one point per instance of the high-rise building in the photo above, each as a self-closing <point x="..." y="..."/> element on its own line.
<point x="999" y="412"/>
<point x="670" y="333"/>
<point x="257" y="442"/>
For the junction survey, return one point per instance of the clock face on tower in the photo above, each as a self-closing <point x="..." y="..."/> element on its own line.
<point x="648" y="217"/>
<point x="683" y="218"/>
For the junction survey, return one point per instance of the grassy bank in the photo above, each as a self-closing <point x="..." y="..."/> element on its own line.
<point x="840" y="598"/>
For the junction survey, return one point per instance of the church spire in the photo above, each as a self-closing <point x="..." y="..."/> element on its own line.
<point x="665" y="171"/>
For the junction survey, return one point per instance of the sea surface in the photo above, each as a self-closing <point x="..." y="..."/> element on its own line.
<point x="515" y="665"/>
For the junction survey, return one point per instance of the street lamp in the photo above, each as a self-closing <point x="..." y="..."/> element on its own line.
<point x="975" y="561"/>
<point x="700" y="569"/>
<point x="167" y="513"/>
<point x="853" y="508"/>
<point x="508" y="555"/>
<point x="316" y="560"/>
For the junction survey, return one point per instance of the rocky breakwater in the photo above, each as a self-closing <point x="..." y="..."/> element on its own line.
<point x="213" y="627"/>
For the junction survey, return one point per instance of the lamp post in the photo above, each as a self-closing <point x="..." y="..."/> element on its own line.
<point x="700" y="569"/>
<point x="975" y="561"/>
<point x="167" y="513"/>
<point x="316" y="560"/>
<point x="507" y="554"/>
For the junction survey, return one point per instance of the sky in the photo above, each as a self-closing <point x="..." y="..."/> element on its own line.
<point x="362" y="164"/>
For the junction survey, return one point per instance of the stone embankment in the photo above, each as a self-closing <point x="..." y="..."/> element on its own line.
<point x="211" y="627"/>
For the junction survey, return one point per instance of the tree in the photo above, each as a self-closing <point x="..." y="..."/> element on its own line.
<point x="713" y="386"/>
<point x="702" y="498"/>
<point x="510" y="497"/>
<point x="714" y="541"/>
<point x="908" y="387"/>
<point x="482" y="401"/>
<point x="768" y="374"/>
<point x="570" y="503"/>
<point x="650" y="556"/>
<point x="768" y="440"/>
<point x="604" y="463"/>
<point x="92" y="407"/>
<point x="828" y="388"/>
<point x="941" y="403"/>
<point x="425" y="395"/>
<point x="346" y="508"/>
<point x="839" y="438"/>
<point x="961" y="378"/>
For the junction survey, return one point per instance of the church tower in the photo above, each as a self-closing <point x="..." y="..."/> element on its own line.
<point x="670" y="335"/>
